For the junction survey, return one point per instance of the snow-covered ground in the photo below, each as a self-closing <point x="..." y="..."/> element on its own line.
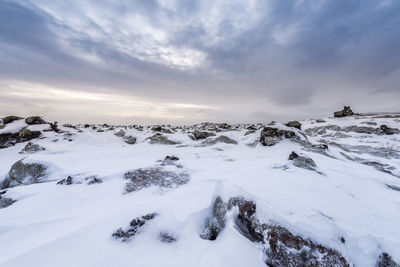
<point x="353" y="193"/>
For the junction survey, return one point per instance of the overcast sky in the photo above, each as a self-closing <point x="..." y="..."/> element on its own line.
<point x="184" y="61"/>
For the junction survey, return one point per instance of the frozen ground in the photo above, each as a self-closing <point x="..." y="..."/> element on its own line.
<point x="349" y="201"/>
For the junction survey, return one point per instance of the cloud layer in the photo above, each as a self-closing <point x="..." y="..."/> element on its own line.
<point x="188" y="61"/>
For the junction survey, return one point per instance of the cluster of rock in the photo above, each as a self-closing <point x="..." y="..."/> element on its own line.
<point x="272" y="135"/>
<point x="134" y="227"/>
<point x="343" y="113"/>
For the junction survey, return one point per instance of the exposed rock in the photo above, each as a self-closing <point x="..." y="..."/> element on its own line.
<point x="302" y="161"/>
<point x="320" y="121"/>
<point x="22" y="173"/>
<point x="134" y="227"/>
<point x="130" y="140"/>
<point x="35" y="120"/>
<point x="167" y="237"/>
<point x="385" y="260"/>
<point x="294" y="124"/>
<point x="270" y="136"/>
<point x="95" y="180"/>
<point x="281" y="247"/>
<point x="384" y="129"/>
<point x="161" y="139"/>
<point x="10" y="119"/>
<point x="67" y="181"/>
<point x="156" y="176"/>
<point x="171" y="158"/>
<point x="26" y="134"/>
<point x="120" y="133"/>
<point x="31" y="148"/>
<point x="5" y="202"/>
<point x="343" y="113"/>
<point x="393" y="187"/>
<point x="220" y="139"/>
<point x="360" y="129"/>
<point x="196" y="135"/>
<point x="162" y="130"/>
<point x="322" y="130"/>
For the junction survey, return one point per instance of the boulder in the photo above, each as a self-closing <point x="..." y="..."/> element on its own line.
<point x="120" y="133"/>
<point x="10" y="119"/>
<point x="35" y="120"/>
<point x="130" y="140"/>
<point x="27" y="134"/>
<point x="67" y="181"/>
<point x="22" y="173"/>
<point x="385" y="260"/>
<point x="31" y="148"/>
<point x="294" y="124"/>
<point x="158" y="138"/>
<point x="302" y="161"/>
<point x="5" y="202"/>
<point x="134" y="227"/>
<point x="197" y="135"/>
<point x="220" y="139"/>
<point x="270" y="135"/>
<point x="343" y="113"/>
<point x="167" y="237"/>
<point x="384" y="129"/>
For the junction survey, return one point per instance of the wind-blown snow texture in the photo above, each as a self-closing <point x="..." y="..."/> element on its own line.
<point x="342" y="192"/>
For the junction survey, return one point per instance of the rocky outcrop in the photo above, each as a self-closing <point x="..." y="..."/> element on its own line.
<point x="160" y="139"/>
<point x="197" y="135"/>
<point x="385" y="130"/>
<point x="216" y="222"/>
<point x="31" y="148"/>
<point x="343" y="113"/>
<point x="10" y="119"/>
<point x="271" y="136"/>
<point x="155" y="176"/>
<point x="67" y="181"/>
<point x="35" y="120"/>
<point x="385" y="260"/>
<point x="22" y="173"/>
<point x="294" y="124"/>
<point x="134" y="227"/>
<point x="220" y="139"/>
<point x="10" y="139"/>
<point x="302" y="161"/>
<point x="5" y="201"/>
<point x="120" y="133"/>
<point x="130" y="140"/>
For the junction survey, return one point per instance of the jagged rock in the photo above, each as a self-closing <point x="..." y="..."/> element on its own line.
<point x="10" y="119"/>
<point x="5" y="202"/>
<point x="393" y="187"/>
<point x="120" y="133"/>
<point x="95" y="180"/>
<point x="167" y="237"/>
<point x="161" y="139"/>
<point x="130" y="140"/>
<point x="343" y="113"/>
<point x="385" y="260"/>
<point x="31" y="148"/>
<point x="384" y="129"/>
<point x="35" y="120"/>
<point x="281" y="247"/>
<point x="270" y="136"/>
<point x="294" y="124"/>
<point x="26" y="134"/>
<point x="22" y="173"/>
<point x="196" y="135"/>
<point x="220" y="139"/>
<point x="67" y="181"/>
<point x="302" y="161"/>
<point x="171" y="158"/>
<point x="162" y="130"/>
<point x="134" y="227"/>
<point x="216" y="223"/>
<point x="156" y="176"/>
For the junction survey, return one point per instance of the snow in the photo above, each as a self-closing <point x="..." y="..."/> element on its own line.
<point x="58" y="225"/>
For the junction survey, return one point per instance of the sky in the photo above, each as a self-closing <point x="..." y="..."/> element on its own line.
<point x="185" y="61"/>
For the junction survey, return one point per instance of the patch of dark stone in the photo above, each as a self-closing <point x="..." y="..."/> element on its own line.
<point x="22" y="173"/>
<point x="67" y="181"/>
<point x="281" y="247"/>
<point x="197" y="135"/>
<point x="134" y="227"/>
<point x="322" y="130"/>
<point x="120" y="133"/>
<point x="35" y="120"/>
<point x="382" y="130"/>
<point x="302" y="161"/>
<point x="393" y="187"/>
<point x="94" y="180"/>
<point x="161" y="130"/>
<point x="220" y="139"/>
<point x="382" y="152"/>
<point x="167" y="237"/>
<point x="385" y="260"/>
<point x="10" y="139"/>
<point x="31" y="148"/>
<point x="294" y="124"/>
<point x="346" y="111"/>
<point x="130" y="140"/>
<point x="5" y="201"/>
<point x="155" y="176"/>
<point x="158" y="138"/>
<point x="10" y="119"/>
<point x="271" y="136"/>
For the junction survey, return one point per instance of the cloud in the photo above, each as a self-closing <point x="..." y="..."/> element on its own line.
<point x="244" y="57"/>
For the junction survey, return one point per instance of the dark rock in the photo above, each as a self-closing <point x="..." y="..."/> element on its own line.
<point x="130" y="140"/>
<point x="31" y="148"/>
<point x="66" y="181"/>
<point x="158" y="138"/>
<point x="5" y="202"/>
<point x="10" y="119"/>
<point x="220" y="139"/>
<point x="168" y="237"/>
<point x="172" y="158"/>
<point x="196" y="135"/>
<point x="26" y="134"/>
<point x="384" y="129"/>
<point x="216" y="223"/>
<point x="342" y="239"/>
<point x="320" y="121"/>
<point x="343" y="113"/>
<point x="270" y="135"/>
<point x="302" y="161"/>
<point x="162" y="130"/>
<point x="360" y="129"/>
<point x="134" y="227"/>
<point x="120" y="133"/>
<point x="24" y="174"/>
<point x="95" y="180"/>
<point x="293" y="155"/>
<point x="252" y="128"/>
<point x="156" y="176"/>
<point x="385" y="260"/>
<point x="35" y="120"/>
<point x="294" y="124"/>
<point x="393" y="187"/>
